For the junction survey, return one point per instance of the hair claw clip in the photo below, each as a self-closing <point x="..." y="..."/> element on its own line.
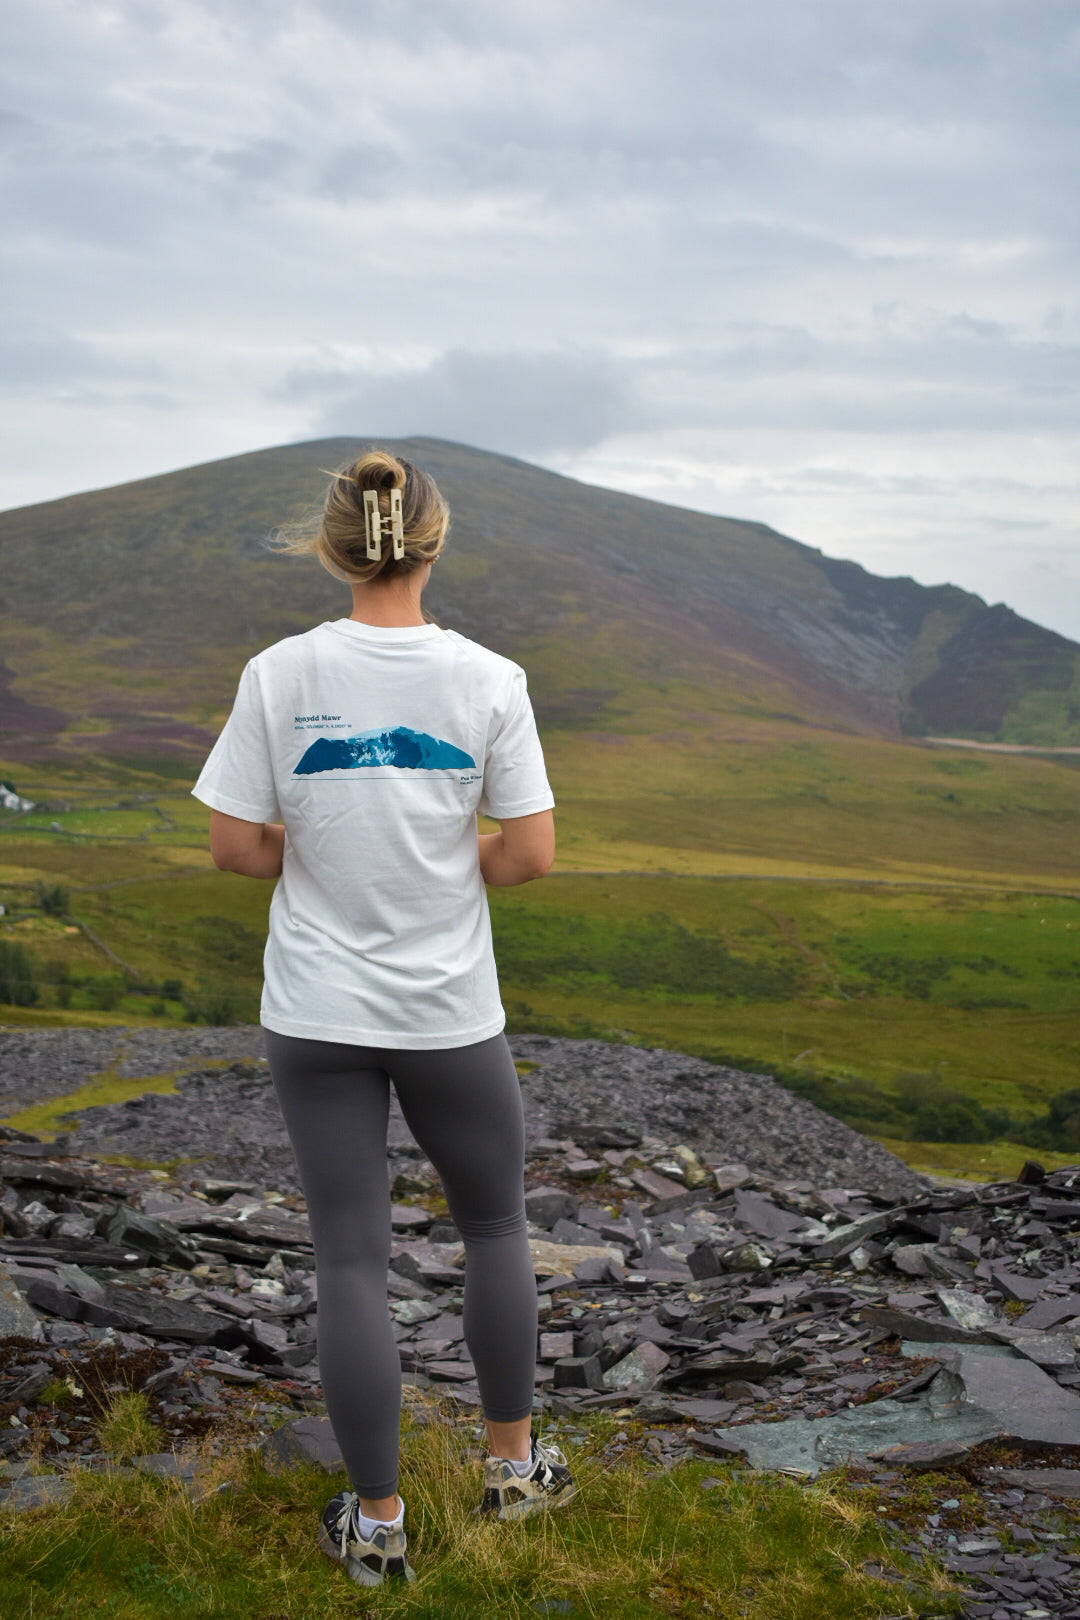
<point x="373" y="525"/>
<point x="397" y="532"/>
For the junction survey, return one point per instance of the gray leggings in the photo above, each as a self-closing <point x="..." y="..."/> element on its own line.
<point x="464" y="1108"/>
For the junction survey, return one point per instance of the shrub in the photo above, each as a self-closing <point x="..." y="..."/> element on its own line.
<point x="104" y="993"/>
<point x="1059" y="1128"/>
<point x="52" y="898"/>
<point x="18" y="975"/>
<point x="214" y="1003"/>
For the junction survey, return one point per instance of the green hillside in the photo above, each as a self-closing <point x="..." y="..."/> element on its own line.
<point x="755" y="863"/>
<point x="127" y="613"/>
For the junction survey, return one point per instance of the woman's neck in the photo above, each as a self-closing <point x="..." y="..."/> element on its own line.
<point x="392" y="603"/>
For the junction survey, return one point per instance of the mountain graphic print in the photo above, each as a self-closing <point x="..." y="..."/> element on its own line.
<point x="401" y="747"/>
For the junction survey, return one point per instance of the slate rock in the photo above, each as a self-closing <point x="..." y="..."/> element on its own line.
<point x="925" y="1329"/>
<point x="721" y="1369"/>
<point x="55" y="1274"/>
<point x="17" y="1318"/>
<point x="1025" y="1403"/>
<point x="556" y="1346"/>
<point x="655" y="1185"/>
<point x="600" y="1134"/>
<point x="807" y="1445"/>
<point x="306" y="1440"/>
<point x="34" y="1378"/>
<point x="1057" y="1350"/>
<point x="1054" y="1481"/>
<point x="1017" y="1287"/>
<point x="639" y="1370"/>
<point x="567" y="1231"/>
<point x="760" y="1215"/>
<point x="1047" y="1313"/>
<point x="138" y="1310"/>
<point x="578" y="1372"/>
<point x="562" y="1259"/>
<point x="597" y="1269"/>
<point x="583" y="1169"/>
<point x="74" y="1227"/>
<point x="36" y="1219"/>
<point x="969" y="1310"/>
<point x="546" y="1205"/>
<point x="748" y="1257"/>
<point x="852" y="1233"/>
<point x="128" y="1228"/>
<point x="37" y="1490"/>
<point x="921" y="1456"/>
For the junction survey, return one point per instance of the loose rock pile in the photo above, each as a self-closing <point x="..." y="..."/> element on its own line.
<point x="775" y="1306"/>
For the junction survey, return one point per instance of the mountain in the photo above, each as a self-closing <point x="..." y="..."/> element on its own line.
<point x="127" y="613"/>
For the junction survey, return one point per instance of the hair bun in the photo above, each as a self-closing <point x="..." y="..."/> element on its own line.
<point x="338" y="535"/>
<point x="378" y="469"/>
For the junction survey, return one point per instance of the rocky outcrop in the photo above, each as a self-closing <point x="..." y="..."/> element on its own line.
<point x="720" y="1306"/>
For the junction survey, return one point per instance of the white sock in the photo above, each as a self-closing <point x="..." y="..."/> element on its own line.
<point x="368" y="1527"/>
<point x="521" y="1469"/>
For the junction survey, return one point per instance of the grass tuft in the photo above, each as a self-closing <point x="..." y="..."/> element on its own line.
<point x="125" y="1429"/>
<point x="697" y="1540"/>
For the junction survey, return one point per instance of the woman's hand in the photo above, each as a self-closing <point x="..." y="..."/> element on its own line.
<point x="253" y="848"/>
<point x="522" y="849"/>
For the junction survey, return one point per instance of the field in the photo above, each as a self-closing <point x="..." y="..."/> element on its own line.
<point x="892" y="929"/>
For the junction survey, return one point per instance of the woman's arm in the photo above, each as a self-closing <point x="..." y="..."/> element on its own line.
<point x="253" y="848"/>
<point x="522" y="849"/>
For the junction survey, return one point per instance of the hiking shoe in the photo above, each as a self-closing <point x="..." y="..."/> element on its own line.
<point x="548" y="1484"/>
<point x="368" y="1562"/>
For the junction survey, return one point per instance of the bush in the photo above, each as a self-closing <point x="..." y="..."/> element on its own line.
<point x="220" y="1004"/>
<point x="940" y="1114"/>
<point x="104" y="993"/>
<point x="18" y="975"/>
<point x="53" y="899"/>
<point x="1058" y="1130"/>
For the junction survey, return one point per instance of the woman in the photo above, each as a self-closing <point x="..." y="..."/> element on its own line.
<point x="351" y="771"/>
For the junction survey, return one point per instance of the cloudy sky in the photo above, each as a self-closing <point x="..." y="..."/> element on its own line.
<point x="811" y="262"/>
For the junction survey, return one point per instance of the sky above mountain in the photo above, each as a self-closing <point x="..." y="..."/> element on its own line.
<point x="811" y="262"/>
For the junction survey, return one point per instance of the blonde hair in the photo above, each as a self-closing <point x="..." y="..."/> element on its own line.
<point x="338" y="535"/>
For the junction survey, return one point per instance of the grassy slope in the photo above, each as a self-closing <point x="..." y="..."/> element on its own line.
<point x="131" y="610"/>
<point x="845" y="912"/>
<point x="704" y="1539"/>
<point x="865" y="906"/>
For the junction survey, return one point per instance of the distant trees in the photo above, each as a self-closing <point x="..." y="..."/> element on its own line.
<point x="1058" y="1130"/>
<point x="53" y="899"/>
<point x="18" y="975"/>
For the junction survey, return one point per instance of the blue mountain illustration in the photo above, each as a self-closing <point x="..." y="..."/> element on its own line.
<point x="409" y="750"/>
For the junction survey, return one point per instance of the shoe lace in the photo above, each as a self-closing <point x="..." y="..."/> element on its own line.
<point x="348" y="1519"/>
<point x="550" y="1453"/>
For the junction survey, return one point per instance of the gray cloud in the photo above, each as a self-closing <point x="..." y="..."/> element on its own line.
<point x="516" y="403"/>
<point x="642" y="243"/>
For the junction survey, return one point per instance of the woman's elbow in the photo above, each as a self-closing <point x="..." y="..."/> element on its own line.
<point x="230" y="841"/>
<point x="543" y="864"/>
<point x="539" y="861"/>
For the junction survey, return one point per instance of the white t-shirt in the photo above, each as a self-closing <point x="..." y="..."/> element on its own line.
<point x="376" y="747"/>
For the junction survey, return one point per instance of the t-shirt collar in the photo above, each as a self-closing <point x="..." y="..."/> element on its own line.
<point x="385" y="635"/>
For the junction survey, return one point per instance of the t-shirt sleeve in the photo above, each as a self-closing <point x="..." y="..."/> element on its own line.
<point x="238" y="778"/>
<point x="515" y="779"/>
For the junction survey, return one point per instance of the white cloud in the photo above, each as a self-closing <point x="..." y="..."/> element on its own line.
<point x="815" y="264"/>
